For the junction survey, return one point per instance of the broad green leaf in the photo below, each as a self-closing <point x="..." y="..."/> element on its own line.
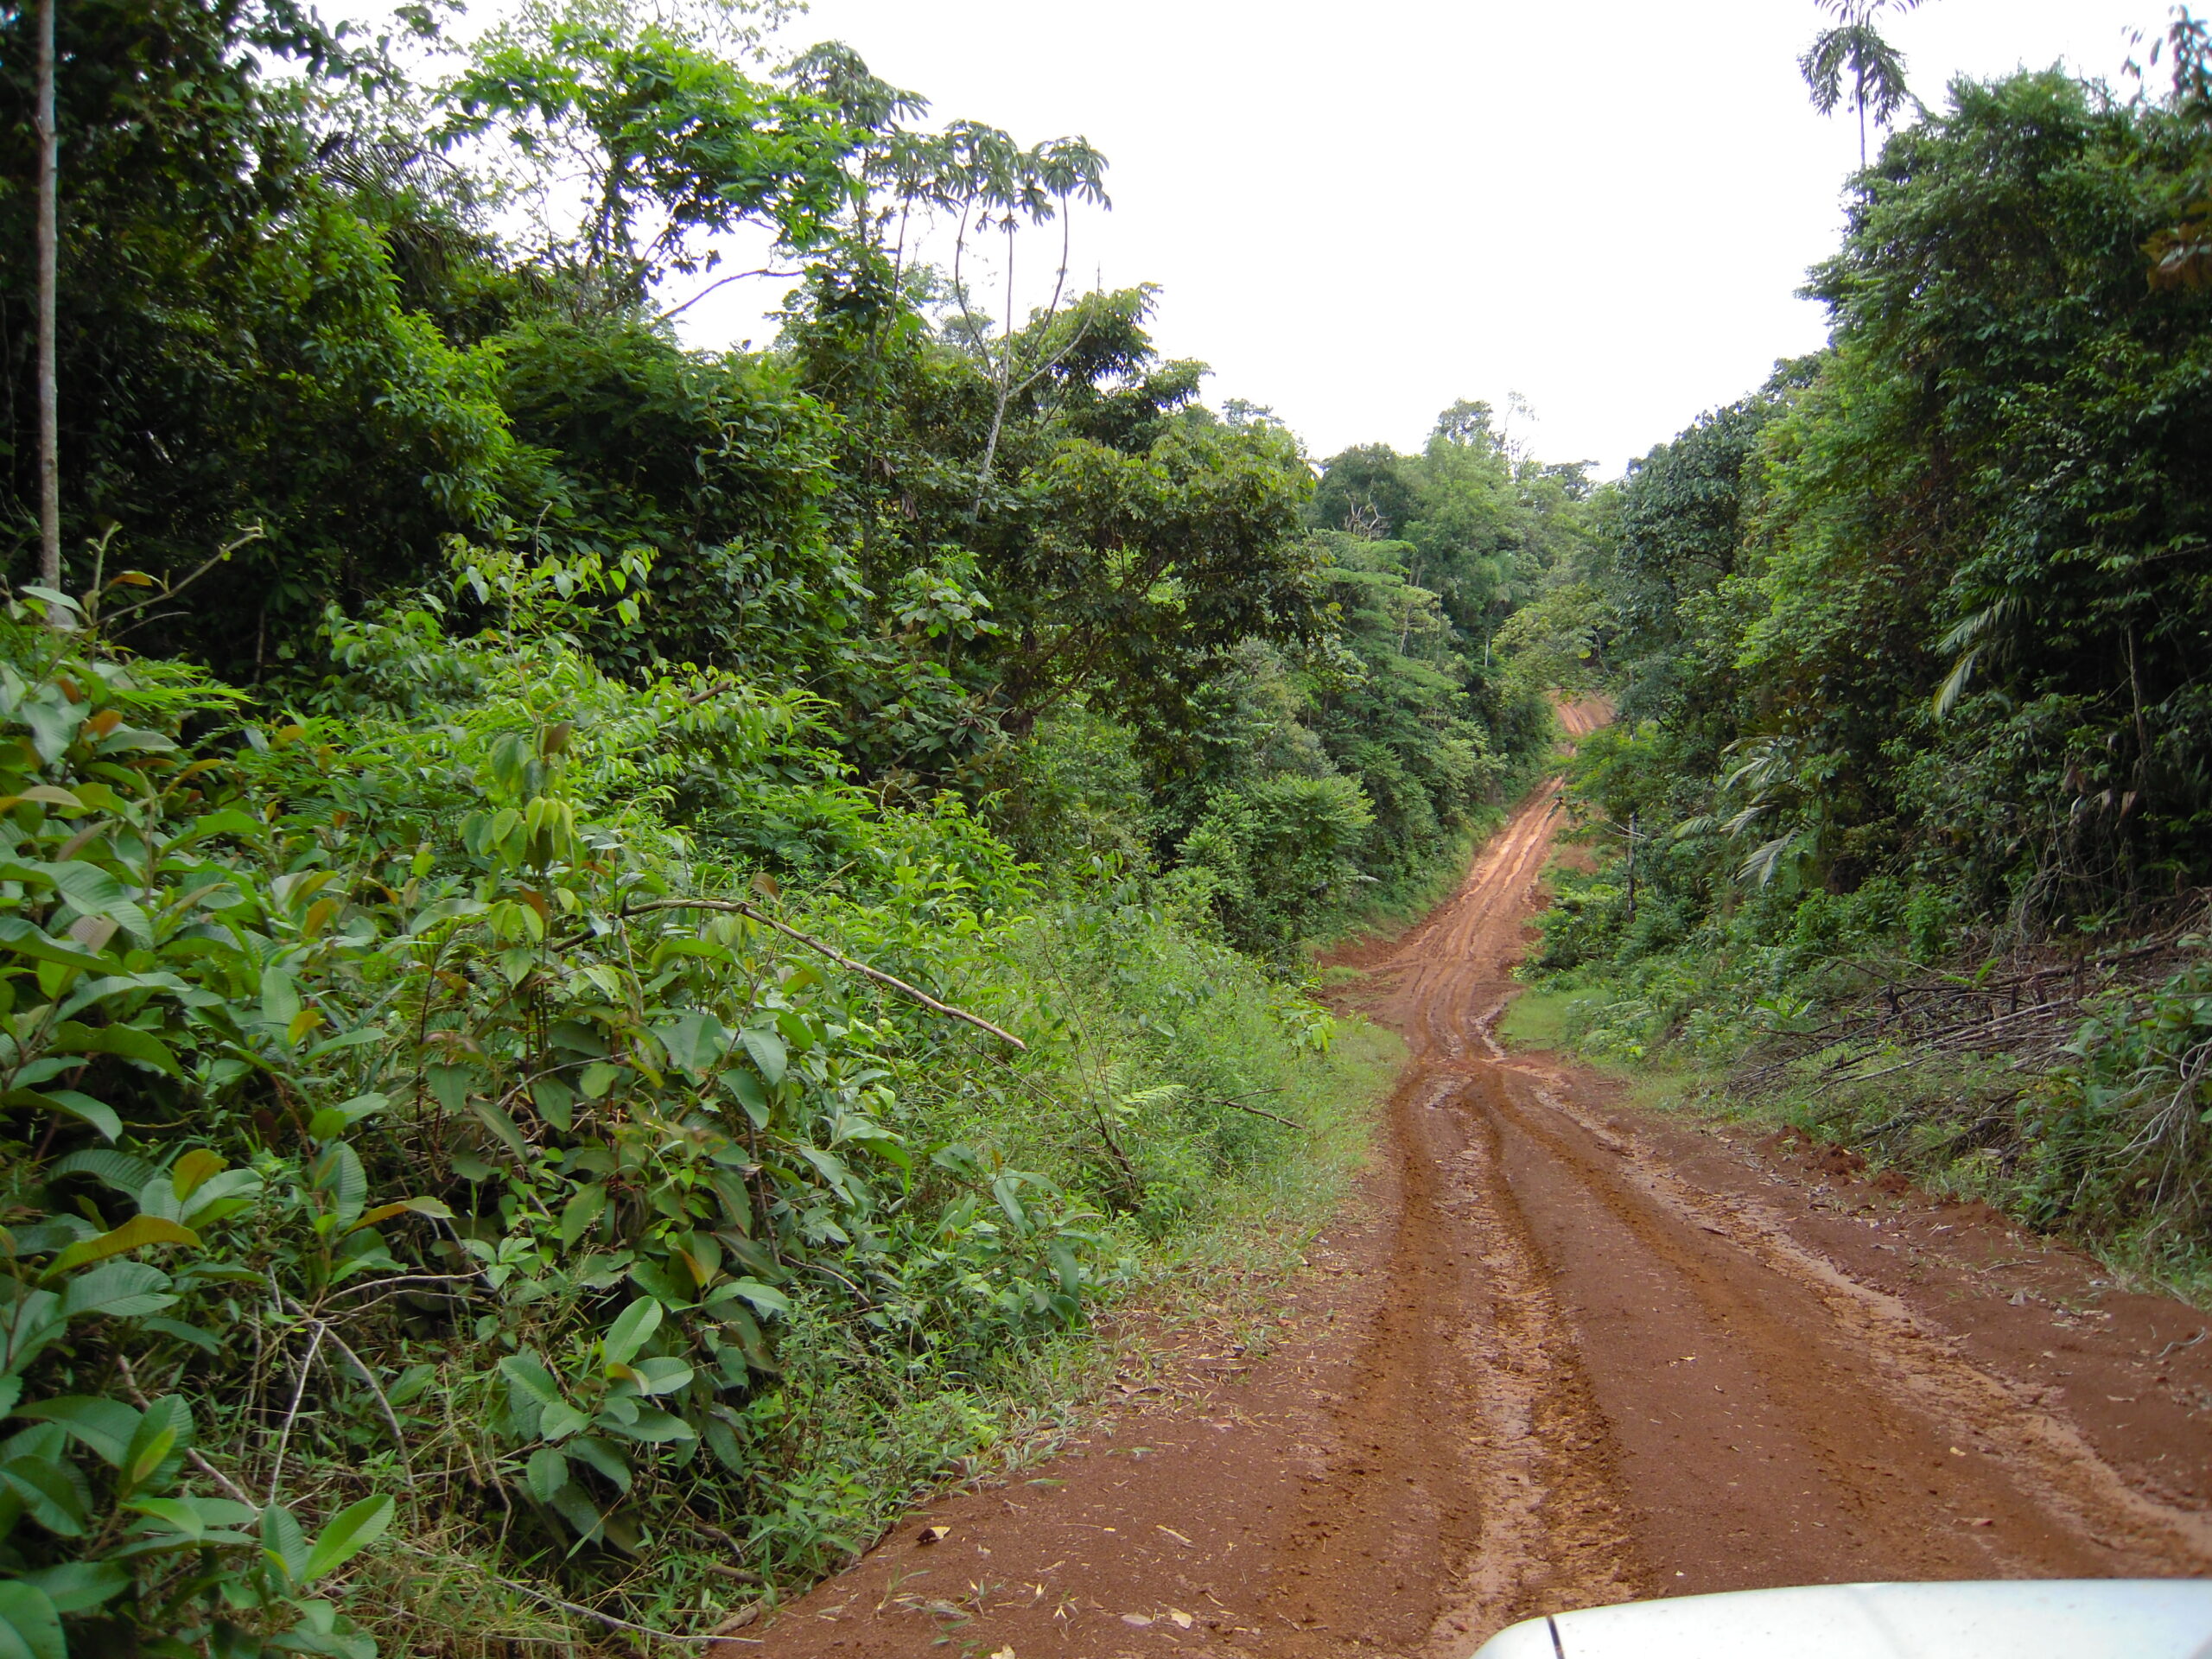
<point x="279" y="998"/>
<point x="78" y="1586"/>
<point x="766" y="1298"/>
<point x="126" y="1041"/>
<point x="746" y="1087"/>
<point x="601" y="1455"/>
<point x="30" y="1624"/>
<point x="360" y="1037"/>
<point x="117" y="1170"/>
<point x="547" y="1473"/>
<point x="229" y="822"/>
<point x="671" y="1289"/>
<point x="656" y="1427"/>
<point x="631" y="1329"/>
<point x="103" y="1426"/>
<point x="174" y="1513"/>
<point x="125" y="738"/>
<point x="695" y="1041"/>
<point x="118" y="1290"/>
<point x="93" y="892"/>
<point x="205" y="1341"/>
<point x="158" y="1198"/>
<point x="54" y="719"/>
<point x="660" y="1375"/>
<point x="46" y="794"/>
<point x="166" y="1428"/>
<point x="559" y="1420"/>
<point x="767" y="1047"/>
<point x="574" y="1506"/>
<point x="223" y="1511"/>
<point x="35" y="1321"/>
<point x="196" y="1167"/>
<point x="283" y="1542"/>
<point x="723" y="1443"/>
<point x="829" y="1167"/>
<point x="70" y="1104"/>
<point x="221" y="1195"/>
<point x="527" y="1372"/>
<point x="134" y="1234"/>
<point x="337" y="1170"/>
<point x="1064" y="1267"/>
<point x="19" y="935"/>
<point x="555" y="1102"/>
<point x="449" y="1085"/>
<point x="350" y="1532"/>
<point x="581" y="1211"/>
<point x="494" y="1118"/>
<point x="91" y="991"/>
<point x="47" y="1493"/>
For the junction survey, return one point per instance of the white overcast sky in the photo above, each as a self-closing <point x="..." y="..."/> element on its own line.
<point x="1358" y="212"/>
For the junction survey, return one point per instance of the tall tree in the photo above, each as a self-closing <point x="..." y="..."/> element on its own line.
<point x="49" y="238"/>
<point x="666" y="140"/>
<point x="1854" y="48"/>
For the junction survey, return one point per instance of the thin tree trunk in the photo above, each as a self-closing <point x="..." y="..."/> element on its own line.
<point x="49" y="419"/>
<point x="990" y="454"/>
<point x="1631" y="868"/>
<point x="1004" y="387"/>
<point x="1861" y="83"/>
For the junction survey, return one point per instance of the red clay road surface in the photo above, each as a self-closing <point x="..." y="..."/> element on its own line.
<point x="1561" y="1352"/>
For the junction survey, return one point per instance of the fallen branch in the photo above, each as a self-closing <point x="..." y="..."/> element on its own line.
<point x="731" y="907"/>
<point x="1223" y="1100"/>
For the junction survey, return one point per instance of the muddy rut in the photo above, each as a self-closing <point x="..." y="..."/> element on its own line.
<point x="1567" y="1352"/>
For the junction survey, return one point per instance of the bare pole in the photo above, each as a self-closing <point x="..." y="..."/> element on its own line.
<point x="49" y="236"/>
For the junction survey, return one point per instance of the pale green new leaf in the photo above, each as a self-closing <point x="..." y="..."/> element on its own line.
<point x="352" y="1530"/>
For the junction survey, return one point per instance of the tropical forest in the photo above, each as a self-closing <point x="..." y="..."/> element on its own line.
<point x="621" y="961"/>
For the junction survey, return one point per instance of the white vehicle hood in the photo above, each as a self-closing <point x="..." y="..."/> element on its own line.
<point x="2067" y="1619"/>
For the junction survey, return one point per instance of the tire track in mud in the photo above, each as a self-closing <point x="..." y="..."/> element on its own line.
<point x="1555" y="1361"/>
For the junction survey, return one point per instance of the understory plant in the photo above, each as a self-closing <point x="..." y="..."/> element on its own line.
<point x="464" y="1108"/>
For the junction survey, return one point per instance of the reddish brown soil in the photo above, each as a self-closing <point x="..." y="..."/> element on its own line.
<point x="1564" y="1352"/>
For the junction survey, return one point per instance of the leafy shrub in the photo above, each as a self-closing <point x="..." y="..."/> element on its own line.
<point x="1276" y="856"/>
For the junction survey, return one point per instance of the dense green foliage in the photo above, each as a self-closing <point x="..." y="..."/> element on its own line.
<point x="448" y="1079"/>
<point x="603" y="948"/>
<point x="1912" y="649"/>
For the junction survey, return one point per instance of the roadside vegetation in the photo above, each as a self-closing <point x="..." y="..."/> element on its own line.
<point x="607" y="951"/>
<point x="1904" y="828"/>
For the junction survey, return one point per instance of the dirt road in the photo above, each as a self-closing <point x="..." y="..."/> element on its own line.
<point x="1569" y="1352"/>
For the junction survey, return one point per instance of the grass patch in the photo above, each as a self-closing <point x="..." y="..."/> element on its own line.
<point x="1540" y="1019"/>
<point x="1553" y="1021"/>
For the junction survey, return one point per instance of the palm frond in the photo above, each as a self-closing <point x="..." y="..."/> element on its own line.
<point x="1954" y="684"/>
<point x="1763" y="865"/>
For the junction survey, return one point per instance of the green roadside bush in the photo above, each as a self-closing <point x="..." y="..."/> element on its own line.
<point x="448" y="1149"/>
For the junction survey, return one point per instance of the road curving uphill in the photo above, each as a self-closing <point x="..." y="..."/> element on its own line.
<point x="1565" y="1353"/>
